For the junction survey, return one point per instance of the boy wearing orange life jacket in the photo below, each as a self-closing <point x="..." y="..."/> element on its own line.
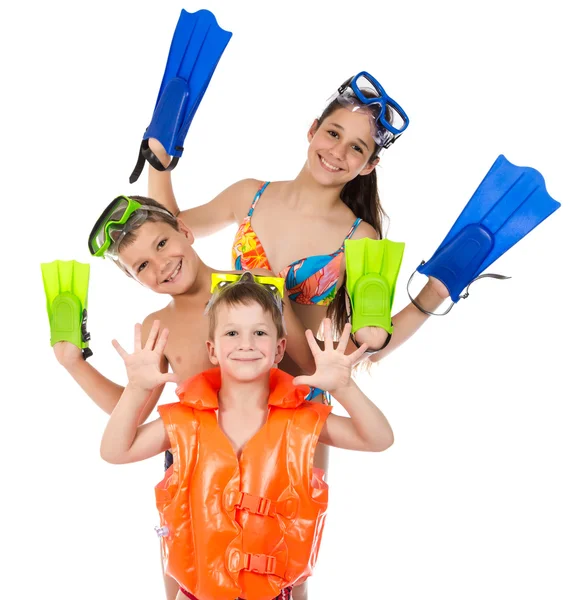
<point x="243" y="440"/>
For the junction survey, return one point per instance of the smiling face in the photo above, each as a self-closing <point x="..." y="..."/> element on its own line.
<point x="245" y="342"/>
<point x="341" y="147"/>
<point x="161" y="258"/>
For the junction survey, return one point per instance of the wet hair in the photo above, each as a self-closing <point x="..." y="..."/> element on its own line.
<point x="153" y="216"/>
<point x="361" y="196"/>
<point x="246" y="293"/>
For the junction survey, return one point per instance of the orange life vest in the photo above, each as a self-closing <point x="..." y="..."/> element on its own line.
<point x="248" y="527"/>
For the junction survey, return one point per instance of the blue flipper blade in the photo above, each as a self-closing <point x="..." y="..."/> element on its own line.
<point x="196" y="48"/>
<point x="509" y="203"/>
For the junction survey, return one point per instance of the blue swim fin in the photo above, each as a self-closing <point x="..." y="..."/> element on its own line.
<point x="197" y="46"/>
<point x="508" y="204"/>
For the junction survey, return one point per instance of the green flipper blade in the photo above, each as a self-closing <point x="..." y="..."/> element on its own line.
<point x="66" y="286"/>
<point x="372" y="268"/>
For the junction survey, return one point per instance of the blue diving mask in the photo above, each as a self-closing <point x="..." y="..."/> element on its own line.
<point x="364" y="93"/>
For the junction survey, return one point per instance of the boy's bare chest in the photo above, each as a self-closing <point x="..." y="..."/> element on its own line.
<point x="186" y="350"/>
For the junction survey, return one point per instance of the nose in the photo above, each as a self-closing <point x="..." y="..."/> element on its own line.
<point x="163" y="264"/>
<point x="246" y="341"/>
<point x="338" y="150"/>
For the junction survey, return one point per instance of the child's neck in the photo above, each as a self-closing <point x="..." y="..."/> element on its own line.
<point x="309" y="196"/>
<point x="199" y="291"/>
<point x="248" y="395"/>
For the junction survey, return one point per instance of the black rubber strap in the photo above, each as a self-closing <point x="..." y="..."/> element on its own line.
<point x="146" y="154"/>
<point x="85" y="335"/>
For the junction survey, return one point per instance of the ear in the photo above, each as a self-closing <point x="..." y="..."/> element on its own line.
<point x="211" y="352"/>
<point x="280" y="348"/>
<point x="370" y="166"/>
<point x="312" y="131"/>
<point x="186" y="231"/>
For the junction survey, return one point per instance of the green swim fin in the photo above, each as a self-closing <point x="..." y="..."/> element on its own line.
<point x="372" y="268"/>
<point x="66" y="284"/>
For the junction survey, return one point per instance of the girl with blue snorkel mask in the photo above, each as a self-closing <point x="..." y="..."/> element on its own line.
<point x="334" y="198"/>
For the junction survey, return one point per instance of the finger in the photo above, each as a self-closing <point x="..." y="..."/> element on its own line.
<point x="354" y="357"/>
<point x="137" y="337"/>
<point x="344" y="339"/>
<point x="312" y="342"/>
<point x="303" y="380"/>
<point x="170" y="378"/>
<point x="119" y="349"/>
<point x="152" y="335"/>
<point x="162" y="341"/>
<point x="328" y="335"/>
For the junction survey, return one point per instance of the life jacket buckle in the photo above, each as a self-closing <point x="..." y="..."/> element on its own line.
<point x="260" y="563"/>
<point x="254" y="504"/>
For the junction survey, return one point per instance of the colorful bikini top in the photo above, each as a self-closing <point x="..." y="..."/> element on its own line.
<point x="310" y="280"/>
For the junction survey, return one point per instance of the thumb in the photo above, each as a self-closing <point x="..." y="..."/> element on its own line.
<point x="303" y="380"/>
<point x="170" y="378"/>
<point x="119" y="349"/>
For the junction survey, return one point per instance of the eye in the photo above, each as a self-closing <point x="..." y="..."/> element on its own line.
<point x="357" y="148"/>
<point x="333" y="134"/>
<point x="162" y="244"/>
<point x="142" y="266"/>
<point x="231" y="333"/>
<point x="261" y="333"/>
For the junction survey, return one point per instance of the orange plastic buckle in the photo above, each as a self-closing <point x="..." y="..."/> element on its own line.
<point x="254" y="504"/>
<point x="260" y="563"/>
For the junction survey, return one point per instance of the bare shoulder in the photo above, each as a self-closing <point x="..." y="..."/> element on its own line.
<point x="241" y="194"/>
<point x="364" y="230"/>
<point x="161" y="315"/>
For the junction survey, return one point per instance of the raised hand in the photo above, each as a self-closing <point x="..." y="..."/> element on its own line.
<point x="333" y="366"/>
<point x="143" y="365"/>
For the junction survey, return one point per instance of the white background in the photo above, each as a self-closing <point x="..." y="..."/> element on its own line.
<point x="482" y="494"/>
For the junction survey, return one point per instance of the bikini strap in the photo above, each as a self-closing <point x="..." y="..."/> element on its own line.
<point x="257" y="197"/>
<point x="351" y="231"/>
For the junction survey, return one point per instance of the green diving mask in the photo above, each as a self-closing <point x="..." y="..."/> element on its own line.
<point x="121" y="216"/>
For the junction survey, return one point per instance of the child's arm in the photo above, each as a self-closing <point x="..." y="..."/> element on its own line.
<point x="201" y="220"/>
<point x="366" y="428"/>
<point x="123" y="440"/>
<point x="410" y="319"/>
<point x="103" y="391"/>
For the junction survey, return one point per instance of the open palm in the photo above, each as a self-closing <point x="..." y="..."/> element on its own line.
<point x="332" y="365"/>
<point x="143" y="365"/>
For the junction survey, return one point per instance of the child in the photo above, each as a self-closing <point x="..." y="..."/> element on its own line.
<point x="149" y="244"/>
<point x="243" y="439"/>
<point x="153" y="247"/>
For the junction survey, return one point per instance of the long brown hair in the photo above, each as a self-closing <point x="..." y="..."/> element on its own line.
<point x="361" y="196"/>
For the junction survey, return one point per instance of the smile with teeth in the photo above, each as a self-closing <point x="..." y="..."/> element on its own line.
<point x="329" y="166"/>
<point x="172" y="276"/>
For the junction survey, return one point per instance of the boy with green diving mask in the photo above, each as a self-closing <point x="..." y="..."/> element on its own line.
<point x="150" y="245"/>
